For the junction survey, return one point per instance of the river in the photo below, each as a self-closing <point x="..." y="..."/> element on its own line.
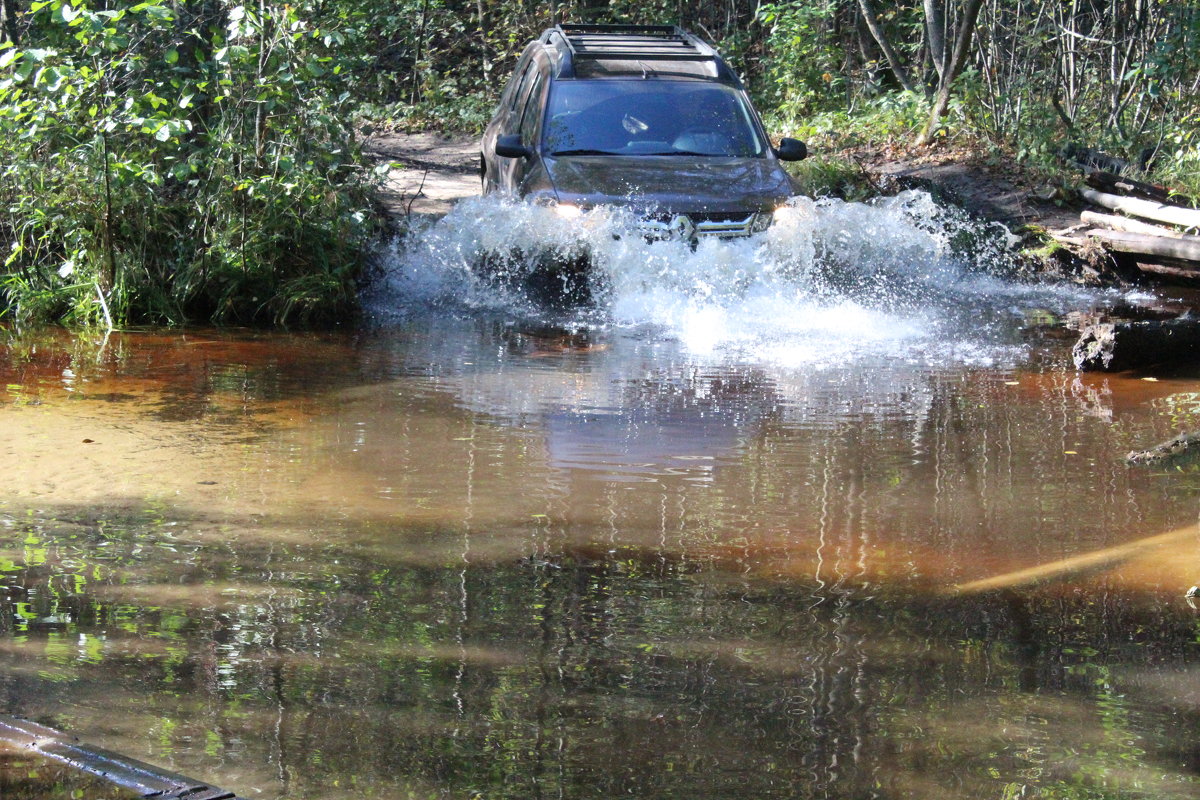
<point x="703" y="538"/>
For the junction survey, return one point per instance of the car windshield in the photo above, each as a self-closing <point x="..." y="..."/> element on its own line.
<point x="649" y="117"/>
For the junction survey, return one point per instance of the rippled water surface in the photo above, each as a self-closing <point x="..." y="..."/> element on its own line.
<point x="704" y="538"/>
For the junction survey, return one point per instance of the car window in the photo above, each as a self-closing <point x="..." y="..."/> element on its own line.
<point x="521" y="84"/>
<point x="531" y="116"/>
<point x="509" y="98"/>
<point x="650" y="117"/>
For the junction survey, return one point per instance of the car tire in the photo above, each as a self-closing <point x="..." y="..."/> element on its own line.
<point x="485" y="185"/>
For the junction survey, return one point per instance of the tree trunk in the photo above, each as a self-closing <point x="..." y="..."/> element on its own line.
<point x="935" y="29"/>
<point x="415" y="95"/>
<point x="962" y="46"/>
<point x="265" y="44"/>
<point x="8" y="21"/>
<point x="880" y="36"/>
<point x="485" y="60"/>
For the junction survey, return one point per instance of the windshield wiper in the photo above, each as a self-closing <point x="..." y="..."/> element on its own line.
<point x="677" y="153"/>
<point x="584" y="152"/>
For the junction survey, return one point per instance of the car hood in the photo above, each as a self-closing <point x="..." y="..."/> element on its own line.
<point x="676" y="184"/>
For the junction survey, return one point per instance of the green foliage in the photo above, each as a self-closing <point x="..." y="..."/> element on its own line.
<point x="169" y="162"/>
<point x="196" y="159"/>
<point x="888" y="118"/>
<point x="832" y="176"/>
<point x="802" y="72"/>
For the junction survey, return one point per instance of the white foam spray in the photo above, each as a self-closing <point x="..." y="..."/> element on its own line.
<point x="898" y="277"/>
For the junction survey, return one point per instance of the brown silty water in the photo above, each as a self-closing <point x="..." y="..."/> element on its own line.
<point x="490" y="554"/>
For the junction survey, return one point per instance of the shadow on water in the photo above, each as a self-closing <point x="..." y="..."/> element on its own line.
<point x="697" y="541"/>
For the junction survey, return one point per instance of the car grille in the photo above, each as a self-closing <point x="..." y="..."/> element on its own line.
<point x="701" y="225"/>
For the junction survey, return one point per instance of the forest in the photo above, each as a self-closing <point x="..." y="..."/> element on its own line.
<point x="179" y="161"/>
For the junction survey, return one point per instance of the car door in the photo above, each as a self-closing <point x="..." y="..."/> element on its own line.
<point x="524" y="120"/>
<point x="502" y="120"/>
<point x="529" y="127"/>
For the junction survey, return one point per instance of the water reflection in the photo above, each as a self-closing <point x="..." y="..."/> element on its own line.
<point x="487" y="559"/>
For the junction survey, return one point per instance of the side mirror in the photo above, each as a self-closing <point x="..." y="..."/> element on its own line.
<point x="510" y="147"/>
<point x="789" y="150"/>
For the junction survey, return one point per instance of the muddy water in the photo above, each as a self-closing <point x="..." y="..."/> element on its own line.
<point x="479" y="556"/>
<point x="706" y="537"/>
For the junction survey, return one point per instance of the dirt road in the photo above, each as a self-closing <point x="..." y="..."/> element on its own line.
<point x="435" y="171"/>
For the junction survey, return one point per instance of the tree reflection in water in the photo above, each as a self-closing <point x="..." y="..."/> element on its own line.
<point x="542" y="572"/>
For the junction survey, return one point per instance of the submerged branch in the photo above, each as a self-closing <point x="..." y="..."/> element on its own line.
<point x="1076" y="565"/>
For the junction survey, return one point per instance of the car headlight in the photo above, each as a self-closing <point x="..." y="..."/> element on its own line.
<point x="785" y="211"/>
<point x="561" y="210"/>
<point x="568" y="211"/>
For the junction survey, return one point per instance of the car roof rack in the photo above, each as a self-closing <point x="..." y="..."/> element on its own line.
<point x="634" y="43"/>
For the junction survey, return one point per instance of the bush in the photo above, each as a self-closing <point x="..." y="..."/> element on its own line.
<point x="171" y="162"/>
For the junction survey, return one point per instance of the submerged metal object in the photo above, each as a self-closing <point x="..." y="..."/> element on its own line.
<point x="145" y="779"/>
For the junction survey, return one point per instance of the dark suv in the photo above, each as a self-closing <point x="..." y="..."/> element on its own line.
<point x="646" y="117"/>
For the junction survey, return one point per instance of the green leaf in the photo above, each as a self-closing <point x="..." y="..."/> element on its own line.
<point x="172" y="56"/>
<point x="8" y="57"/>
<point x="159" y="12"/>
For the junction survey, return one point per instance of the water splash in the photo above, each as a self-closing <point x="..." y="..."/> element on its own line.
<point x="830" y="280"/>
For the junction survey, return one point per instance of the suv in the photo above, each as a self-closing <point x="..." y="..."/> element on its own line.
<point x="646" y="117"/>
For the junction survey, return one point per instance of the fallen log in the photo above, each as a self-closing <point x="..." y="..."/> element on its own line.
<point x="1147" y="209"/>
<point x="1118" y="346"/>
<point x="1176" y="271"/>
<point x="145" y="780"/>
<point x="1166" y="451"/>
<point x="1127" y="225"/>
<point x="1077" y="565"/>
<point x="1117" y="184"/>
<point x="1183" y="248"/>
